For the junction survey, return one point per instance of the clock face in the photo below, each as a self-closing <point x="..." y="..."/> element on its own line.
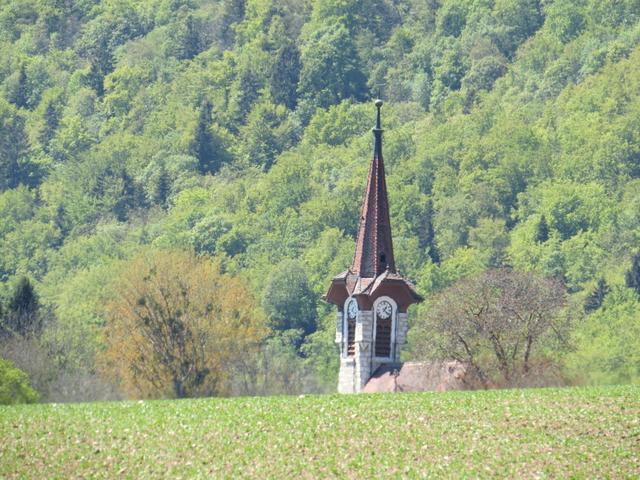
<point x="384" y="310"/>
<point x="352" y="309"/>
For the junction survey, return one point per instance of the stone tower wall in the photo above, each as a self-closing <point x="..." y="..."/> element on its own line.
<point x="355" y="371"/>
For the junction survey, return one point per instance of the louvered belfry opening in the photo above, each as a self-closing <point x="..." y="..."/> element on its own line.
<point x="383" y="337"/>
<point x="351" y="337"/>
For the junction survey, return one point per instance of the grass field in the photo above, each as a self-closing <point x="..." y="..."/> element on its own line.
<point x="581" y="433"/>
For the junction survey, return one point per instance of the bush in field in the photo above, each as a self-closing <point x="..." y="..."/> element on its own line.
<point x="14" y="385"/>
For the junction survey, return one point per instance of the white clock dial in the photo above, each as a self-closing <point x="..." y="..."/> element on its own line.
<point x="352" y="309"/>
<point x="384" y="310"/>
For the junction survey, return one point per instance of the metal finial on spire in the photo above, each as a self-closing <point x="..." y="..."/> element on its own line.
<point x="378" y="104"/>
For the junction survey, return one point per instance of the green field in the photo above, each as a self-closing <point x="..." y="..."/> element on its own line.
<point x="581" y="433"/>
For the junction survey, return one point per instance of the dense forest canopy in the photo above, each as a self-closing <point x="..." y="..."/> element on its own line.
<point x="239" y="130"/>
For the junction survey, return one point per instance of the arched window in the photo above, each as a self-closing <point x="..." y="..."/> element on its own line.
<point x="349" y="326"/>
<point x="384" y="309"/>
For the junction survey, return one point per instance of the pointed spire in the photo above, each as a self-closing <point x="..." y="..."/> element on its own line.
<point x="374" y="248"/>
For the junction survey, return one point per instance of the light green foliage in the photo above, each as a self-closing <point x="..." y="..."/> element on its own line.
<point x="14" y="385"/>
<point x="513" y="433"/>
<point x="608" y="342"/>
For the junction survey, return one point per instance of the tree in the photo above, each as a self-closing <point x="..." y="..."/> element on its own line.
<point x="50" y="120"/>
<point x="596" y="298"/>
<point x="285" y="75"/>
<point x="632" y="277"/>
<point x="22" y="316"/>
<point x="428" y="239"/>
<point x="15" y="166"/>
<point x="331" y="70"/>
<point x="501" y="323"/>
<point x="288" y="299"/>
<point x="162" y="188"/>
<point x="174" y="324"/>
<point x="21" y="95"/>
<point x="206" y="146"/>
<point x="14" y="385"/>
<point x="542" y="230"/>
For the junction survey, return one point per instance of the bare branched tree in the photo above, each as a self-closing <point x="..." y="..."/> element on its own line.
<point x="508" y="326"/>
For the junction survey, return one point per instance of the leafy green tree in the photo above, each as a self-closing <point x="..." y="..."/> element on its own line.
<point x="187" y="42"/>
<point x="606" y="343"/>
<point x="451" y="19"/>
<point x="14" y="385"/>
<point x="103" y="34"/>
<point x="288" y="299"/>
<point x="265" y="134"/>
<point x="517" y="20"/>
<point x="331" y="70"/>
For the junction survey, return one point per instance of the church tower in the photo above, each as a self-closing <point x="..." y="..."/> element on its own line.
<point x="372" y="297"/>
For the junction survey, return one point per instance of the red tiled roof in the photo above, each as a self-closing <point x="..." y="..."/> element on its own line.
<point x="374" y="246"/>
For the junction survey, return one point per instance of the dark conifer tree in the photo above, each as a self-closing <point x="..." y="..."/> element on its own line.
<point x="95" y="78"/>
<point x="131" y="196"/>
<point x="163" y="187"/>
<point x="632" y="277"/>
<point x="189" y="44"/>
<point x="203" y="143"/>
<point x="542" y="231"/>
<point x="50" y="124"/>
<point x="285" y="76"/>
<point x="430" y="236"/>
<point x="596" y="298"/>
<point x="22" y="315"/>
<point x="20" y="98"/>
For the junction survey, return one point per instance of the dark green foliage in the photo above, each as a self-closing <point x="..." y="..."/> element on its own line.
<point x="187" y="41"/>
<point x="596" y="298"/>
<point x="331" y="69"/>
<point x="428" y="238"/>
<point x="204" y="144"/>
<point x="50" y="118"/>
<point x="23" y="315"/>
<point x="24" y="300"/>
<point x="288" y="300"/>
<point x="21" y="95"/>
<point x="542" y="230"/>
<point x="16" y="163"/>
<point x="632" y="277"/>
<point x="285" y="75"/>
<point x="163" y="187"/>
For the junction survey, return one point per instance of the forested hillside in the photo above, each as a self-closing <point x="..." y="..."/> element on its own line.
<point x="239" y="130"/>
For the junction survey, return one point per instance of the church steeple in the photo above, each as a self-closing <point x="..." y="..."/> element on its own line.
<point x="371" y="296"/>
<point x="374" y="246"/>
